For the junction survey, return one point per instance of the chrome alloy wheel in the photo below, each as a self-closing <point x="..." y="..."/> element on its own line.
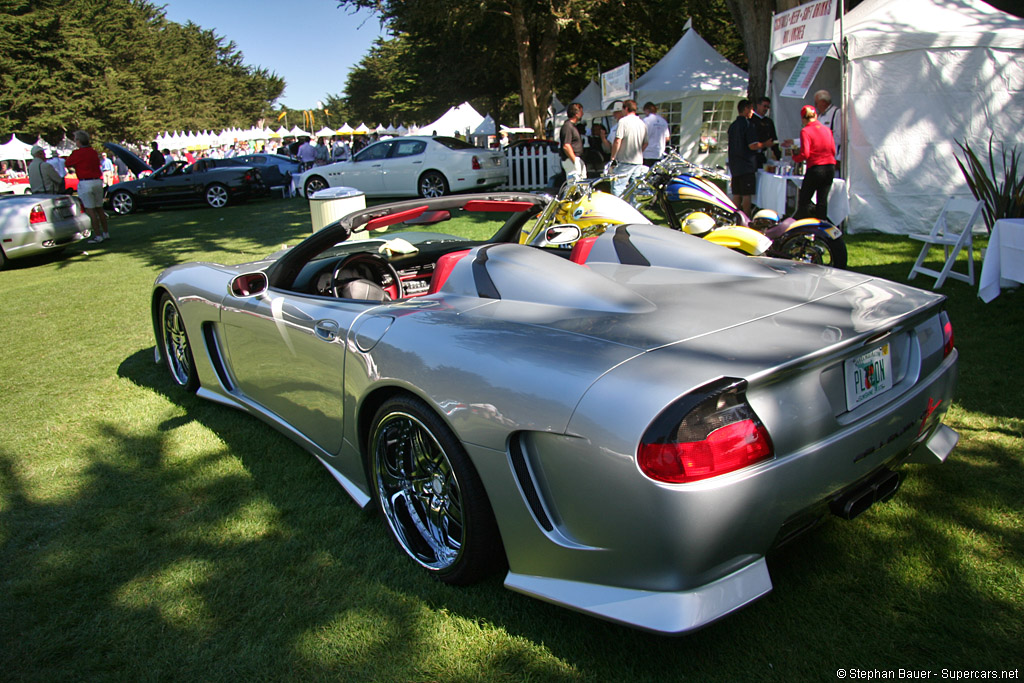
<point x="217" y="196"/>
<point x="418" y="491"/>
<point x="122" y="203"/>
<point x="177" y="350"/>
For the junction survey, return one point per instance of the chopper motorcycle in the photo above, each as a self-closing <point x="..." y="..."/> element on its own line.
<point x="690" y="200"/>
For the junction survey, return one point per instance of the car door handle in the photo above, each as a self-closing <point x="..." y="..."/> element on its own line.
<point x="326" y="330"/>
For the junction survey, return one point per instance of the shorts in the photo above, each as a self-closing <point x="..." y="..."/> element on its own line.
<point x="745" y="184"/>
<point x="91" y="193"/>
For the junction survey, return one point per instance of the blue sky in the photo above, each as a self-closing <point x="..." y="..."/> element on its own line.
<point x="310" y="43"/>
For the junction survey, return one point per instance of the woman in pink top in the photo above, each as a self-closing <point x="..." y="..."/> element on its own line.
<point x="818" y="149"/>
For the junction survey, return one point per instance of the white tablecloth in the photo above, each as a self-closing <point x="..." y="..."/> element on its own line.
<point x="1004" y="258"/>
<point x="771" y="194"/>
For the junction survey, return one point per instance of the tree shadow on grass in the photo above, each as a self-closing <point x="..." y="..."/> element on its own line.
<point x="246" y="559"/>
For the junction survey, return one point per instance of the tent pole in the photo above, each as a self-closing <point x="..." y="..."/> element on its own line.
<point x="844" y="86"/>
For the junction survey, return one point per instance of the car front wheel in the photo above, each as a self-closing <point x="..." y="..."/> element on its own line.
<point x="217" y="196"/>
<point x="122" y="203"/>
<point x="314" y="185"/>
<point x="433" y="184"/>
<point x="175" y="346"/>
<point x="430" y="495"/>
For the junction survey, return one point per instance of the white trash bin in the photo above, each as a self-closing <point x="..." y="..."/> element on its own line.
<point x="332" y="203"/>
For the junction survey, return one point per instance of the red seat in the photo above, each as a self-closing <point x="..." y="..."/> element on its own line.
<point x="581" y="250"/>
<point x="444" y="268"/>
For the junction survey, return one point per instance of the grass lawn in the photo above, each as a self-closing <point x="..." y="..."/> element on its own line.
<point x="146" y="534"/>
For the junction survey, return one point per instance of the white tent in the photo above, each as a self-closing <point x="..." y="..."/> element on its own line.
<point x="696" y="90"/>
<point x="921" y="74"/>
<point x="15" y="149"/>
<point x="462" y="119"/>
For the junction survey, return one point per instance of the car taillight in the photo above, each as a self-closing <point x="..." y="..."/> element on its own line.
<point x="36" y="215"/>
<point x="476" y="163"/>
<point x="947" y="334"/>
<point x="704" y="434"/>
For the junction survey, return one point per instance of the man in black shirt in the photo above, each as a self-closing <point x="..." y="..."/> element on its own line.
<point x="571" y="144"/>
<point x="765" y="128"/>
<point x="743" y="149"/>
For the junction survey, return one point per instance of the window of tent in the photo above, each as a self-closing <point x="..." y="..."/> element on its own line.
<point x="716" y="116"/>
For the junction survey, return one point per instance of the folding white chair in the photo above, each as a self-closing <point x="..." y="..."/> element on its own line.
<point x="953" y="238"/>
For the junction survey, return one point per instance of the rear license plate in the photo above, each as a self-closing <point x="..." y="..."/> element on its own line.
<point x="868" y="375"/>
<point x="65" y="212"/>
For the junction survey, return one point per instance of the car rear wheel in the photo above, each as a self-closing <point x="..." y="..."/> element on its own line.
<point x="122" y="203"/>
<point x="175" y="346"/>
<point x="430" y="495"/>
<point x="3" y="259"/>
<point x="217" y="196"/>
<point x="313" y="185"/>
<point x="433" y="184"/>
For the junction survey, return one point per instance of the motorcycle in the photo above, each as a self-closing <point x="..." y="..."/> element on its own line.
<point x="581" y="210"/>
<point x="690" y="199"/>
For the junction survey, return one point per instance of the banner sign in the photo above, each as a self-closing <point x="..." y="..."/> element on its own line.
<point x="806" y="69"/>
<point x="813" y="21"/>
<point x="615" y="85"/>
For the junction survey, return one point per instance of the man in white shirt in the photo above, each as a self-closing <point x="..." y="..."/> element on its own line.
<point x="830" y="117"/>
<point x="628" y="148"/>
<point x="657" y="134"/>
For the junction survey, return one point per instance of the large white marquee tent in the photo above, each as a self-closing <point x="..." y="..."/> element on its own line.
<point x="921" y="74"/>
<point x="689" y="78"/>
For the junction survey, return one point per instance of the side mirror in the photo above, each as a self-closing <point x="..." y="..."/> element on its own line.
<point x="248" y="285"/>
<point x="564" y="233"/>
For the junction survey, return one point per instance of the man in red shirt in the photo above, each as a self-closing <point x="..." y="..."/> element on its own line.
<point x="86" y="163"/>
<point x="818" y="149"/>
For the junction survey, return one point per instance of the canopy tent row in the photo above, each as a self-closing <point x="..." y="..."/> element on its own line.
<point x="920" y="75"/>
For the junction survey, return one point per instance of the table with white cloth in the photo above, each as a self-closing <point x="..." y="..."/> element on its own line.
<point x="1004" y="258"/>
<point x="772" y="188"/>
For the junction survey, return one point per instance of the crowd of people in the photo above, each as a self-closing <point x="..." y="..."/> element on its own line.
<point x="632" y="144"/>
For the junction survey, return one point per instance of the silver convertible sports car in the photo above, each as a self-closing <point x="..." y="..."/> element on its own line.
<point x="626" y="429"/>
<point x="33" y="224"/>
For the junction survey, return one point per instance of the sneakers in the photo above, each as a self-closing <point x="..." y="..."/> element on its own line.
<point x="99" y="238"/>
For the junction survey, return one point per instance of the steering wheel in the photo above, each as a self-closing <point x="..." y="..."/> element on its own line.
<point x="370" y="266"/>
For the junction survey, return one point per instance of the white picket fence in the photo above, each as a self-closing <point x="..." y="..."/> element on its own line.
<point x="530" y="167"/>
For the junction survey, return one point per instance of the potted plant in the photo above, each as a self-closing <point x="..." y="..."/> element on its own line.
<point x="1002" y="190"/>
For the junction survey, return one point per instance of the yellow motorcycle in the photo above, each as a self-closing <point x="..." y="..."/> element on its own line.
<point x="580" y="205"/>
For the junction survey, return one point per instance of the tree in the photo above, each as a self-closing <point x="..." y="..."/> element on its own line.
<point x="121" y="70"/>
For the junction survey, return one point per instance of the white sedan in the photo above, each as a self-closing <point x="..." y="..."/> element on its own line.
<point x="409" y="167"/>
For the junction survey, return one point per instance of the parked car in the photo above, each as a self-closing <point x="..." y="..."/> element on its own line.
<point x="411" y="166"/>
<point x="628" y="433"/>
<point x="179" y="182"/>
<point x="275" y="169"/>
<point x="37" y="223"/>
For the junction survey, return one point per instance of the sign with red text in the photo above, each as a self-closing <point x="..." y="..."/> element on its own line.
<point x="813" y="21"/>
<point x="806" y="69"/>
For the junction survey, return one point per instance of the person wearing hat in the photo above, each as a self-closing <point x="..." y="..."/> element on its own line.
<point x="818" y="149"/>
<point x="42" y="177"/>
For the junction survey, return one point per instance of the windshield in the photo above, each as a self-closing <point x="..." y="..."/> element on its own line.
<point x="455" y="143"/>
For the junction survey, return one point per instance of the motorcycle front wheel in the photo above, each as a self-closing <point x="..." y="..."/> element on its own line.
<point x="810" y="245"/>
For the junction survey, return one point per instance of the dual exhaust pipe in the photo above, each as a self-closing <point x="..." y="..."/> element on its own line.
<point x="879" y="487"/>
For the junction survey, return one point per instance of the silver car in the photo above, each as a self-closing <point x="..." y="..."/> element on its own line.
<point x="38" y="223"/>
<point x="625" y="431"/>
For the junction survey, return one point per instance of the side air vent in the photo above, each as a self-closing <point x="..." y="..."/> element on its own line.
<point x="526" y="484"/>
